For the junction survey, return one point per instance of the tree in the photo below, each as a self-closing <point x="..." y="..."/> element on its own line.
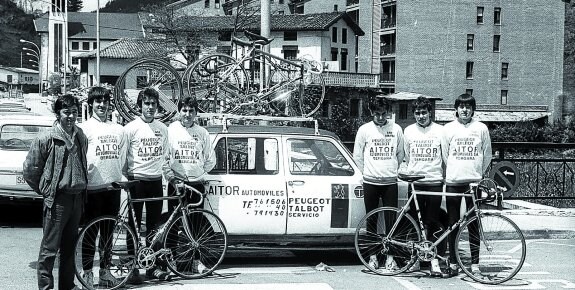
<point x="75" y="5"/>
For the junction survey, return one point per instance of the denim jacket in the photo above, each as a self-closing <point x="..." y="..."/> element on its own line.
<point x="44" y="162"/>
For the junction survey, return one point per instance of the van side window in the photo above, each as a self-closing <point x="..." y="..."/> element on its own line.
<point x="235" y="155"/>
<point x="317" y="157"/>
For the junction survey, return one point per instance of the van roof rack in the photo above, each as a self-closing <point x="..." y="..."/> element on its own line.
<point x="222" y="119"/>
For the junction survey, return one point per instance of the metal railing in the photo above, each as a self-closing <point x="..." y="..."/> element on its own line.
<point x="360" y="80"/>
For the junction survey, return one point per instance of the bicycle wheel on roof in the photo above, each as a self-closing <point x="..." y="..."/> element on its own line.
<point x="218" y="82"/>
<point x="154" y="73"/>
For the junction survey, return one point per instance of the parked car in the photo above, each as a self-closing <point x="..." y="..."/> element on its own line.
<point x="17" y="131"/>
<point x="282" y="185"/>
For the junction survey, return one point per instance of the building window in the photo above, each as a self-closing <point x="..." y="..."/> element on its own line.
<point x="470" y="40"/>
<point x="334" y="53"/>
<point x="281" y="1"/>
<point x="354" y="108"/>
<point x="75" y="45"/>
<point x="85" y="45"/>
<point x="334" y="34"/>
<point x="75" y="61"/>
<point x="469" y="70"/>
<point x="496" y="40"/>
<point x="343" y="61"/>
<point x="206" y="3"/>
<point x="504" y="70"/>
<point x="504" y="97"/>
<point x="335" y="8"/>
<point x="403" y="111"/>
<point x="224" y="35"/>
<point x="344" y="35"/>
<point x="217" y="4"/>
<point x="497" y="16"/>
<point x="290" y="35"/>
<point x="469" y="92"/>
<point x="479" y="15"/>
<point x="280" y="12"/>
<point x="290" y="51"/>
<point x="94" y="45"/>
<point x="9" y="79"/>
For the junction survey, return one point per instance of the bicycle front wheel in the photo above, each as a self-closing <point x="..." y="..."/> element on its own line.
<point x="197" y="251"/>
<point x="495" y="243"/>
<point x="384" y="252"/>
<point x="102" y="250"/>
<point x="218" y="82"/>
<point x="294" y="93"/>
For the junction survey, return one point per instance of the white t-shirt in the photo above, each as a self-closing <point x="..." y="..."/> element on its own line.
<point x="423" y="152"/>
<point x="466" y="151"/>
<point x="106" y="152"/>
<point x="147" y="149"/>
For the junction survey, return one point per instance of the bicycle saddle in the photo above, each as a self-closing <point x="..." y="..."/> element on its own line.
<point x="410" y="177"/>
<point x="257" y="39"/>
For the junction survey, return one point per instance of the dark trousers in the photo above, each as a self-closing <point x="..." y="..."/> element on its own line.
<point x="60" y="232"/>
<point x="371" y="196"/>
<point x="453" y="211"/>
<point x="431" y="213"/>
<point x="147" y="189"/>
<point x="99" y="204"/>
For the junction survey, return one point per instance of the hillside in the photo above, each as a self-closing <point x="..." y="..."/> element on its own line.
<point x="14" y="25"/>
<point x="129" y="6"/>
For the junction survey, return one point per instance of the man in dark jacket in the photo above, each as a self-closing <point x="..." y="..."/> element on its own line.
<point x="56" y="168"/>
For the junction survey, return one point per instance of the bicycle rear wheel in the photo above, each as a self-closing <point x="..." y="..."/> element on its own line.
<point x="102" y="250"/>
<point x="297" y="94"/>
<point x="374" y="240"/>
<point x="218" y="82"/>
<point x="495" y="243"/>
<point x="199" y="254"/>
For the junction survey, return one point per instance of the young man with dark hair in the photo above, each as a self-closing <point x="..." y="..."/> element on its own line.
<point x="106" y="158"/>
<point x="378" y="152"/>
<point x="422" y="145"/>
<point x="56" y="168"/>
<point x="147" y="151"/>
<point x="191" y="156"/>
<point x="466" y="146"/>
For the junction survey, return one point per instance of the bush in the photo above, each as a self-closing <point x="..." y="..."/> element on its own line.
<point x="559" y="132"/>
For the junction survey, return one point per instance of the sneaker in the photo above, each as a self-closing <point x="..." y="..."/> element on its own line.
<point x="390" y="264"/>
<point x="107" y="279"/>
<point x="452" y="271"/>
<point x="199" y="266"/>
<point x="89" y="278"/>
<point x="157" y="273"/>
<point x="475" y="269"/>
<point x="135" y="278"/>
<point x="373" y="263"/>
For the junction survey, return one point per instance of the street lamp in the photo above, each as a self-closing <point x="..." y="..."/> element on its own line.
<point x="37" y="55"/>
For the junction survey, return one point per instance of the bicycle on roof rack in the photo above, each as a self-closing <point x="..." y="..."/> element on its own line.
<point x="487" y="239"/>
<point x="192" y="242"/>
<point x="277" y="86"/>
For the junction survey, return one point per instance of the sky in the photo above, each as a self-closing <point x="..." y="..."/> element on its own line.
<point x="91" y="5"/>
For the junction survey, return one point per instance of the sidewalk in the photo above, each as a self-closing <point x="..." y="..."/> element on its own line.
<point x="554" y="223"/>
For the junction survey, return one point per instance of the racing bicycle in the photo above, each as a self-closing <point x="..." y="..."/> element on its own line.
<point x="391" y="232"/>
<point x="273" y="86"/>
<point x="189" y="238"/>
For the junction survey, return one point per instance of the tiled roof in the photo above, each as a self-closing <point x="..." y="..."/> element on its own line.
<point x="19" y="69"/>
<point x="296" y="22"/>
<point x="82" y="25"/>
<point x="129" y="48"/>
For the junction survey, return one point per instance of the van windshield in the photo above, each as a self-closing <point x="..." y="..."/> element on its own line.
<point x="19" y="137"/>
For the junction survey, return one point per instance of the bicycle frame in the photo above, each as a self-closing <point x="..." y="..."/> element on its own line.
<point x="474" y="210"/>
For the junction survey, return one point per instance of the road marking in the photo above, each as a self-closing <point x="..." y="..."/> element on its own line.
<point x="266" y="286"/>
<point x="533" y="273"/>
<point x="528" y="285"/>
<point x="265" y="270"/>
<point x="406" y="284"/>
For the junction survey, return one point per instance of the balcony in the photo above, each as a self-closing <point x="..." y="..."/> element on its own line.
<point x="346" y="79"/>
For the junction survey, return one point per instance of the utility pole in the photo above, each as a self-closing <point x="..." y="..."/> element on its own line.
<point x="98" y="43"/>
<point x="265" y="31"/>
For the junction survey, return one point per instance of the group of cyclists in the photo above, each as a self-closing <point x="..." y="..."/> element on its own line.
<point x="73" y="166"/>
<point x="451" y="157"/>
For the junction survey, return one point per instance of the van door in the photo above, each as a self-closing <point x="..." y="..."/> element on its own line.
<point x="247" y="186"/>
<point x="324" y="194"/>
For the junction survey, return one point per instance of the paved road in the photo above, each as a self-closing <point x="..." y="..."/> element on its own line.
<point x="33" y="102"/>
